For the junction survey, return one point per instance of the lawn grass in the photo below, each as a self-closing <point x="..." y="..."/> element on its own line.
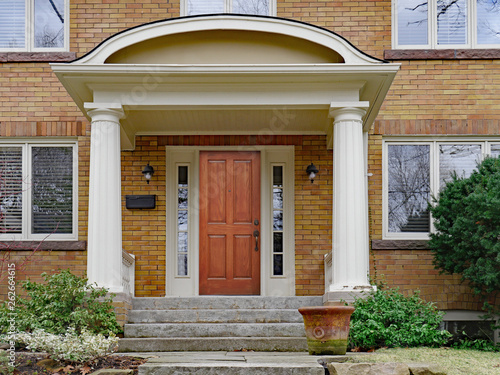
<point x="453" y="361"/>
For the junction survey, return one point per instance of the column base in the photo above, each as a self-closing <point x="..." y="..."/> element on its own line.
<point x="347" y="295"/>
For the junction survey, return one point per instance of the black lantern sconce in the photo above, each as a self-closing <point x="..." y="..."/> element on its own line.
<point x="148" y="172"/>
<point x="311" y="172"/>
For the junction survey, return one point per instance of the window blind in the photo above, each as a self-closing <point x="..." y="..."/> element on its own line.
<point x="11" y="187"/>
<point x="205" y="6"/>
<point x="452" y="22"/>
<point x="52" y="190"/>
<point x="12" y="24"/>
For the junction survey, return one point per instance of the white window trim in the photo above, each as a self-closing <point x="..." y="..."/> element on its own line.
<point x="270" y="155"/>
<point x="432" y="30"/>
<point x="434" y="173"/>
<point x="29" y="39"/>
<point x="228" y="7"/>
<point x="26" y="234"/>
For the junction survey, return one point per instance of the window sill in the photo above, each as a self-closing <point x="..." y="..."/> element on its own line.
<point x="400" y="245"/>
<point x="43" y="245"/>
<point x="442" y="54"/>
<point x="37" y="56"/>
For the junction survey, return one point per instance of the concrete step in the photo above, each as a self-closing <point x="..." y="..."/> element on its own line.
<point x="262" y="344"/>
<point x="216" y="316"/>
<point x="223" y="302"/>
<point x="214" y="330"/>
<point x="240" y="363"/>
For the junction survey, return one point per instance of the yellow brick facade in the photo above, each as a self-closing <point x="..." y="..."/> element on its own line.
<point x="428" y="98"/>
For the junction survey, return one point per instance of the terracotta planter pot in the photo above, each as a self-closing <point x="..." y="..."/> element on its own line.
<point x="327" y="328"/>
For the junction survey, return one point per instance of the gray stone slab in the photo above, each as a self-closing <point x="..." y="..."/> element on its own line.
<point x="368" y="369"/>
<point x="224" y="302"/>
<point x="216" y="316"/>
<point x="214" y="330"/>
<point x="234" y="368"/>
<point x="280" y="344"/>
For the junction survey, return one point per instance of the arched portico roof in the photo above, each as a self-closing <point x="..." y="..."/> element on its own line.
<point x="262" y="25"/>
<point x="226" y="74"/>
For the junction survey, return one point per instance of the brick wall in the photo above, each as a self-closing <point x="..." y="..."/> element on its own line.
<point x="313" y="215"/>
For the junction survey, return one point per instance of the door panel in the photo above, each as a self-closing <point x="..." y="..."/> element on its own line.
<point x="229" y="209"/>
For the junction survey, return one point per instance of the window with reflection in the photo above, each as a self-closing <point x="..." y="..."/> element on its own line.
<point x="278" y="220"/>
<point x="414" y="171"/>
<point x="182" y="220"/>
<point x="33" y="25"/>
<point x="256" y="7"/>
<point x="446" y="23"/>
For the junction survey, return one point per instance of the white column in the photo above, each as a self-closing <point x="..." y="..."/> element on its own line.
<point x="104" y="251"/>
<point x="350" y="261"/>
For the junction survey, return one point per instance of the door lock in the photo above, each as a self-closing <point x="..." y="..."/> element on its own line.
<point x="256" y="234"/>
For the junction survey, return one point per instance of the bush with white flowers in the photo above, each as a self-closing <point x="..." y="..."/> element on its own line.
<point x="70" y="347"/>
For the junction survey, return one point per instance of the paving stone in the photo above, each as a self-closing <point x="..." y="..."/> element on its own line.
<point x="368" y="369"/>
<point x="425" y="369"/>
<point x="109" y="371"/>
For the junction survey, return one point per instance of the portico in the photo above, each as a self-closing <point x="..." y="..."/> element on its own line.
<point x="230" y="75"/>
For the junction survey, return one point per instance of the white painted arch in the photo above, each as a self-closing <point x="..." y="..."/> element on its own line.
<point x="229" y="22"/>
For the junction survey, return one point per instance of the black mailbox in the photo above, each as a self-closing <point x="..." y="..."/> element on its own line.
<point x="140" y="201"/>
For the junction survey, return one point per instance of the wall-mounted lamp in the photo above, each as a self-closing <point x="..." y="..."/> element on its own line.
<point x="148" y="172"/>
<point x="311" y="172"/>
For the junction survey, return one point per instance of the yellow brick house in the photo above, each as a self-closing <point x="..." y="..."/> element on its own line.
<point x="165" y="148"/>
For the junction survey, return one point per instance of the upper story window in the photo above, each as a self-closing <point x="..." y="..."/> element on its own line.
<point x="446" y="24"/>
<point x="258" y="7"/>
<point x="38" y="191"/>
<point x="34" y="25"/>
<point x="414" y="171"/>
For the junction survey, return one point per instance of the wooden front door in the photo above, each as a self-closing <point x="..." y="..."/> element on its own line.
<point x="229" y="223"/>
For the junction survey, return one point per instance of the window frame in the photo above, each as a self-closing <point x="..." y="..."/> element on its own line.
<point x="26" y="234"/>
<point x="29" y="31"/>
<point x="471" y="30"/>
<point x="434" y="182"/>
<point x="228" y="8"/>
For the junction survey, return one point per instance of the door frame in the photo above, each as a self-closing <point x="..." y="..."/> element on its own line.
<point x="190" y="156"/>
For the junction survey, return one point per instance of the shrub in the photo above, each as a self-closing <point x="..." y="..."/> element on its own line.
<point x="387" y="318"/>
<point x="467" y="221"/>
<point x="63" y="301"/>
<point x="70" y="347"/>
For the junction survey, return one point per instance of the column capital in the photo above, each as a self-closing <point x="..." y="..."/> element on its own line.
<point x="348" y="111"/>
<point x="112" y="112"/>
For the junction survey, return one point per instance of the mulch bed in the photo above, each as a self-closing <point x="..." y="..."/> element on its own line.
<point x="29" y="364"/>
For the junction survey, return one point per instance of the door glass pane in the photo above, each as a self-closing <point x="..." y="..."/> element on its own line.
<point x="488" y="22"/>
<point x="278" y="195"/>
<point x="459" y="159"/>
<point x="413" y="22"/>
<point x="52" y="190"/>
<point x="452" y="22"/>
<point x="205" y="7"/>
<point x="11" y="187"/>
<point x="12" y="24"/>
<point x="278" y="264"/>
<point x="495" y="150"/>
<point x="182" y="220"/>
<point x="251" y="7"/>
<point x="408" y="188"/>
<point x="49" y="23"/>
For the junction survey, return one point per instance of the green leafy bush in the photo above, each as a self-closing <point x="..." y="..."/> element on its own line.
<point x="467" y="221"/>
<point x="387" y="318"/>
<point x="64" y="300"/>
<point x="73" y="347"/>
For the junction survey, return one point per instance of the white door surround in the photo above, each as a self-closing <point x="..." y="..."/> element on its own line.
<point x="180" y="285"/>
